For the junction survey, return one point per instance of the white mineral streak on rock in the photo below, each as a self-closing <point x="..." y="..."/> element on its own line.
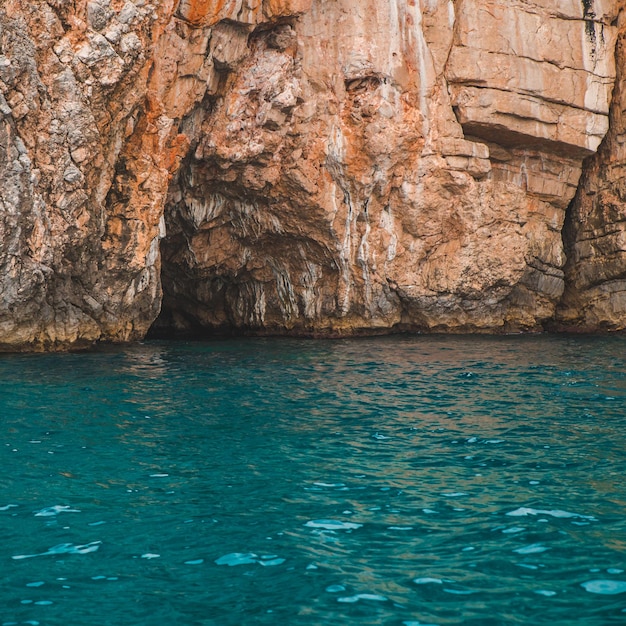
<point x="426" y="74"/>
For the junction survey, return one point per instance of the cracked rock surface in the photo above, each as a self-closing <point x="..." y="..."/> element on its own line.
<point x="310" y="167"/>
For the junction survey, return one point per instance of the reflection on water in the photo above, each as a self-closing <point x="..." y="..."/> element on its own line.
<point x="422" y="480"/>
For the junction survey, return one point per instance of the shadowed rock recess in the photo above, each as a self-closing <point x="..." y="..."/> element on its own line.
<point x="313" y="167"/>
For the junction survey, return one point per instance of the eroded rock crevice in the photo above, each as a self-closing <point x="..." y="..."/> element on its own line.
<point x="594" y="234"/>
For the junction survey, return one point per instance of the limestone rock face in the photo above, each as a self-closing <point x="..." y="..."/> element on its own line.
<point x="308" y="166"/>
<point x="595" y="230"/>
<point x="398" y="165"/>
<point x="77" y="264"/>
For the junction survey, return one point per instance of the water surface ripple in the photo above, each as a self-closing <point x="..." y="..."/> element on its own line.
<point x="401" y="481"/>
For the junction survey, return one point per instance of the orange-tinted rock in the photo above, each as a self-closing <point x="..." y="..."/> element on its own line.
<point x="285" y="8"/>
<point x="308" y="166"/>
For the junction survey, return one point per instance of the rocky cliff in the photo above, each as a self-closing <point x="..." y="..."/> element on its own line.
<point x="310" y="166"/>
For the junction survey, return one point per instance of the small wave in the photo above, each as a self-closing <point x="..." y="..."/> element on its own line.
<point x="331" y="524"/>
<point x="523" y="511"/>
<point x="428" y="581"/>
<point x="63" y="548"/>
<point x="534" y="548"/>
<point x="51" y="511"/>
<point x="362" y="596"/>
<point x="249" y="558"/>
<point x="604" y="587"/>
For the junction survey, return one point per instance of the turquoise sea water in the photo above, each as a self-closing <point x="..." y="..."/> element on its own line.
<point x="396" y="481"/>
